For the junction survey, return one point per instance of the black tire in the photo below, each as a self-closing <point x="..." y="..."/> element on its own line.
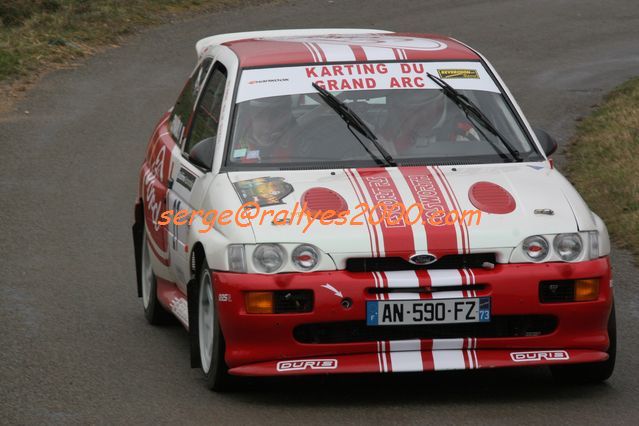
<point x="153" y="311"/>
<point x="212" y="362"/>
<point x="594" y="372"/>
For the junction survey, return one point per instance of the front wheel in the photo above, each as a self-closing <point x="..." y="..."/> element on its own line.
<point x="209" y="333"/>
<point x="153" y="311"/>
<point x="593" y="372"/>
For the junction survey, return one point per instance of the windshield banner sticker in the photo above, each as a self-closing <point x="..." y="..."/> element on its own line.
<point x="265" y="191"/>
<point x="267" y="82"/>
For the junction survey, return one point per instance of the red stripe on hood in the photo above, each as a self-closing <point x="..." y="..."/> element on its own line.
<point x="441" y="240"/>
<point x="396" y="233"/>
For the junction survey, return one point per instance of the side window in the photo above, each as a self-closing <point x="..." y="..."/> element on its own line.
<point x="207" y="114"/>
<point x="179" y="120"/>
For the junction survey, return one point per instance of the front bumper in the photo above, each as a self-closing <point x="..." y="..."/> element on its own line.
<point x="270" y="344"/>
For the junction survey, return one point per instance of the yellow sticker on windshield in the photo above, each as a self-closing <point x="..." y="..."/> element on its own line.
<point x="458" y="73"/>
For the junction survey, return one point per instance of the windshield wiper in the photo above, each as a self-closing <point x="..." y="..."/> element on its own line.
<point x="355" y="122"/>
<point x="470" y="108"/>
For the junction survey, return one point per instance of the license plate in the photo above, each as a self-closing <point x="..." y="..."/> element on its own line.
<point x="434" y="311"/>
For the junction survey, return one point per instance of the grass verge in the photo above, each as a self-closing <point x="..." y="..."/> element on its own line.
<point x="603" y="163"/>
<point x="40" y="35"/>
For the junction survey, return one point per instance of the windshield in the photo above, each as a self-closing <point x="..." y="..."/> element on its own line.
<point x="281" y="121"/>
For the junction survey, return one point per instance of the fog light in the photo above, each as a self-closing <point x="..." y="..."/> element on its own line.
<point x="293" y="301"/>
<point x="557" y="291"/>
<point x="259" y="302"/>
<point x="569" y="290"/>
<point x="586" y="290"/>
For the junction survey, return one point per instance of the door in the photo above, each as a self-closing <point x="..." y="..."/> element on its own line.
<point x="187" y="183"/>
<point x="159" y="165"/>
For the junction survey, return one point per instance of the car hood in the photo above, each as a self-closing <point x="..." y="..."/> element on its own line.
<point x="516" y="201"/>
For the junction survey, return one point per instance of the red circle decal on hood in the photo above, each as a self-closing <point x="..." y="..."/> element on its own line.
<point x="491" y="198"/>
<point x="323" y="199"/>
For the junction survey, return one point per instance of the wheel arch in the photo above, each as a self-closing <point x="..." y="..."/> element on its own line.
<point x="138" y="232"/>
<point x="197" y="257"/>
<point x="196" y="260"/>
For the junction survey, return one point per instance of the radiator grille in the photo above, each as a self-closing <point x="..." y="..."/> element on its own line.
<point x="358" y="331"/>
<point x="453" y="261"/>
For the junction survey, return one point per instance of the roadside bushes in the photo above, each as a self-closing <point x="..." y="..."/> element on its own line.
<point x="16" y="12"/>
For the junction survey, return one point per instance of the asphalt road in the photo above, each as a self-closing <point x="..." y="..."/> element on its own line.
<point x="74" y="345"/>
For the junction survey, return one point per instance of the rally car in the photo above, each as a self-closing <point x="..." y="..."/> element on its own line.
<point x="365" y="123"/>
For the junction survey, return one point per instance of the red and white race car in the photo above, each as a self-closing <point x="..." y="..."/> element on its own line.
<point x="358" y="201"/>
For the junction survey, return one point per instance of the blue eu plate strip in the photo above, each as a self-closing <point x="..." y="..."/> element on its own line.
<point x="371" y="313"/>
<point x="484" y="309"/>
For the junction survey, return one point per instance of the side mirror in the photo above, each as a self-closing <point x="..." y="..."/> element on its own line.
<point x="548" y="143"/>
<point x="202" y="153"/>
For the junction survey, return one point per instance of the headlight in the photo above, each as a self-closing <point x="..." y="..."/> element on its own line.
<point x="568" y="246"/>
<point x="237" y="261"/>
<point x="535" y="248"/>
<point x="268" y="257"/>
<point x="305" y="257"/>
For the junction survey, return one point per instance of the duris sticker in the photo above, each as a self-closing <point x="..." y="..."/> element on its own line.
<point x="550" y="355"/>
<point x="307" y="364"/>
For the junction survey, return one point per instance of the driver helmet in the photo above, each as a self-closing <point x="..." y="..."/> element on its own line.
<point x="269" y="118"/>
<point x="424" y="102"/>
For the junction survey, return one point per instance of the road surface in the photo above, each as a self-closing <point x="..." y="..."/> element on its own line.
<point x="74" y="345"/>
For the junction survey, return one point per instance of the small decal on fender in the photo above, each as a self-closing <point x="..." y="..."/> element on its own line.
<point x="332" y="289"/>
<point x="186" y="178"/>
<point x="223" y="297"/>
<point x="180" y="308"/>
<point x="307" y="364"/>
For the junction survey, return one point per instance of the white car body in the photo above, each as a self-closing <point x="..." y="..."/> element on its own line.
<point x="545" y="204"/>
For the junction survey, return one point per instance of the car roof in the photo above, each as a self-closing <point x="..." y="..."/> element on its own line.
<point x="289" y="47"/>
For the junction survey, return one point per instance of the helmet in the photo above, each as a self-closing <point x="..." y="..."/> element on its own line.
<point x="269" y="119"/>
<point x="413" y="115"/>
